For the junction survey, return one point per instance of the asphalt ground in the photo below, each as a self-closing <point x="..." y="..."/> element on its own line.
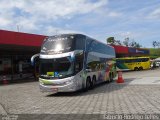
<point x="138" y="95"/>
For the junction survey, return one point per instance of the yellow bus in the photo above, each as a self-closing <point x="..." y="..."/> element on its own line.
<point x="133" y="63"/>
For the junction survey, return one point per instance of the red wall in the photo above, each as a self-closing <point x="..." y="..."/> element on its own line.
<point x="120" y="49"/>
<point x="17" y="38"/>
<point x="129" y="51"/>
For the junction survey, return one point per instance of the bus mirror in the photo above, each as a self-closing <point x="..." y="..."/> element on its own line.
<point x="33" y="58"/>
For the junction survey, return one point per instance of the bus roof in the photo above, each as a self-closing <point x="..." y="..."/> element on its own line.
<point x="75" y="34"/>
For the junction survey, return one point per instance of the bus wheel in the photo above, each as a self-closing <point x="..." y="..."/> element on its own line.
<point x="140" y="68"/>
<point x="93" y="82"/>
<point x="136" y="68"/>
<point x="110" y="78"/>
<point x="88" y="84"/>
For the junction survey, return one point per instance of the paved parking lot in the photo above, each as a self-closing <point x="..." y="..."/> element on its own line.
<point x="132" y="97"/>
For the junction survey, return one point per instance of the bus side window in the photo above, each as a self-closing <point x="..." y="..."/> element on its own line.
<point x="126" y="61"/>
<point x="78" y="66"/>
<point x="97" y="66"/>
<point x="134" y="60"/>
<point x="79" y="62"/>
<point x="145" y="59"/>
<point x="120" y="61"/>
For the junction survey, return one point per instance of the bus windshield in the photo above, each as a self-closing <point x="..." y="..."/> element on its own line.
<point x="58" y="45"/>
<point x="56" y="67"/>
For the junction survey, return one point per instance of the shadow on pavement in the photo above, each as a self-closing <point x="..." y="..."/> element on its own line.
<point x="100" y="88"/>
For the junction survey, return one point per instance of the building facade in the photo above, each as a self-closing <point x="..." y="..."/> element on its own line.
<point x="123" y="51"/>
<point x="16" y="50"/>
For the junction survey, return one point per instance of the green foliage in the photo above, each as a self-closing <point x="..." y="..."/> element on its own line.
<point x="127" y="42"/>
<point x="154" y="52"/>
<point x="131" y="43"/>
<point x="156" y="44"/>
<point x="137" y="45"/>
<point x="110" y="40"/>
<point x="118" y="42"/>
<point x="134" y="44"/>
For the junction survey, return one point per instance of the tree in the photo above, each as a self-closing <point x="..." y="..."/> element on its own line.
<point x="137" y="45"/>
<point x="118" y="42"/>
<point x="110" y="40"/>
<point x="156" y="44"/>
<point x="126" y="41"/>
<point x="132" y="44"/>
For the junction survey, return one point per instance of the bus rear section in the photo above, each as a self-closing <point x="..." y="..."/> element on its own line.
<point x="133" y="63"/>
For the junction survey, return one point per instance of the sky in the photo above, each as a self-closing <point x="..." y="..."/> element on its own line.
<point x="137" y="19"/>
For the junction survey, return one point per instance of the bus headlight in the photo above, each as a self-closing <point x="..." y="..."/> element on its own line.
<point x="69" y="82"/>
<point x="41" y="82"/>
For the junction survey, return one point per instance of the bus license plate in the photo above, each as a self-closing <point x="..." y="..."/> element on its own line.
<point x="55" y="89"/>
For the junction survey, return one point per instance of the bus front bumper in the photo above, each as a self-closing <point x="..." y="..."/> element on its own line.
<point x="56" y="86"/>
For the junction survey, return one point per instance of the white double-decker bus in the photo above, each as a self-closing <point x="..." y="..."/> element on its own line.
<point x="70" y="62"/>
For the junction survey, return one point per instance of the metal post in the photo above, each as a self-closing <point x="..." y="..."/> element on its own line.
<point x="12" y="67"/>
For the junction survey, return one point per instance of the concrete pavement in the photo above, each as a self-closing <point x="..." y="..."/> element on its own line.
<point x="140" y="94"/>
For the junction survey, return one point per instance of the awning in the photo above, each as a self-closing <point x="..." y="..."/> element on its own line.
<point x="21" y="39"/>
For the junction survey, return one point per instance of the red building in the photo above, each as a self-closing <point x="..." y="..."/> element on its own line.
<point x="122" y="51"/>
<point x="16" y="50"/>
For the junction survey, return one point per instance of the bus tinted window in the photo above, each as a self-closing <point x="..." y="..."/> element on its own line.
<point x="136" y="60"/>
<point x="120" y="61"/>
<point x="128" y="61"/>
<point x="99" y="47"/>
<point x="132" y="60"/>
<point x="80" y="42"/>
<point x="145" y="59"/>
<point x="58" y="44"/>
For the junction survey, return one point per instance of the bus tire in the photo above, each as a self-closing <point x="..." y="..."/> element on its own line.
<point x="136" y="69"/>
<point x="93" y="83"/>
<point x="88" y="84"/>
<point x="140" y="68"/>
<point x="111" y="77"/>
